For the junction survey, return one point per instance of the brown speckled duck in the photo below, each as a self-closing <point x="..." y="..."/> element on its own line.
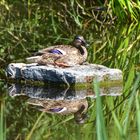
<point x="62" y="55"/>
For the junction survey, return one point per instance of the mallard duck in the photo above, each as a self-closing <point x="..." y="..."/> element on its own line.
<point x="62" y="55"/>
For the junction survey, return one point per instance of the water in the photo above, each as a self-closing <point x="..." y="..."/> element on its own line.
<point x="31" y="112"/>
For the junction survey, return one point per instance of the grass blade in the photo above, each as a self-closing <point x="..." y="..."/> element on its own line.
<point x="100" y="124"/>
<point x="134" y="91"/>
<point x="34" y="127"/>
<point x="138" y="115"/>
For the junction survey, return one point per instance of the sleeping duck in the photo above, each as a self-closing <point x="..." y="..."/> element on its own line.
<point x="62" y="55"/>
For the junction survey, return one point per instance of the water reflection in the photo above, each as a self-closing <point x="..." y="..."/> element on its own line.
<point x="61" y="100"/>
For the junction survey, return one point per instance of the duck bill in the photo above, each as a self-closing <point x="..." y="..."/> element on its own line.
<point x="87" y="45"/>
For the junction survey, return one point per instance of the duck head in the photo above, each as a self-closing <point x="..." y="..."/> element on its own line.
<point x="79" y="41"/>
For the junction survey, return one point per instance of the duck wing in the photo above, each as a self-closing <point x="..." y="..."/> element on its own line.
<point x="58" y="49"/>
<point x="68" y="61"/>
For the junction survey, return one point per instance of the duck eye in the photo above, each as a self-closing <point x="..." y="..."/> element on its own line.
<point x="84" y="43"/>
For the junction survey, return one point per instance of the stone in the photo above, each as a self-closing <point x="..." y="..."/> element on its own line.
<point x="71" y="75"/>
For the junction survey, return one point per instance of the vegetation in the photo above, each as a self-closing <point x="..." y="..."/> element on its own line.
<point x="27" y="26"/>
<point x="112" y="28"/>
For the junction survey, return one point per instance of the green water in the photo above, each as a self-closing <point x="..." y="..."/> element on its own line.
<point x="22" y="119"/>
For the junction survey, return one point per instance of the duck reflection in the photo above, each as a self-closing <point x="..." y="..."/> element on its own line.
<point x="60" y="100"/>
<point x="63" y="107"/>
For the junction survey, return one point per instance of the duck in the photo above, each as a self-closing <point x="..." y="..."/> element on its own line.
<point x="62" y="55"/>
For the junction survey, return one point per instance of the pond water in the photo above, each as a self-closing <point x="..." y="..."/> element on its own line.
<point x="31" y="112"/>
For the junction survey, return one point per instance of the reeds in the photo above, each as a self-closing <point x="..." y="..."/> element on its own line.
<point x="100" y="123"/>
<point x="28" y="26"/>
<point x="123" y="123"/>
<point x="2" y="121"/>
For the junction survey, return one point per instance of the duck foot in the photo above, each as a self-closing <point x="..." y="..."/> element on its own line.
<point x="86" y="63"/>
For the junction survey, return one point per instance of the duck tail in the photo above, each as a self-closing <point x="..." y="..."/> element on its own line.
<point x="32" y="59"/>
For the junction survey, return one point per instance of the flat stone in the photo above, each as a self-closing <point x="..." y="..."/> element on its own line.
<point x="77" y="74"/>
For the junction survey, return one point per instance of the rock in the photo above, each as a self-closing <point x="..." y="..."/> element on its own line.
<point x="77" y="74"/>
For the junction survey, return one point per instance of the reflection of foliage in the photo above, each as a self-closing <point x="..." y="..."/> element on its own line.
<point x="23" y="122"/>
<point x="21" y="118"/>
<point x="18" y="116"/>
<point x="15" y="115"/>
